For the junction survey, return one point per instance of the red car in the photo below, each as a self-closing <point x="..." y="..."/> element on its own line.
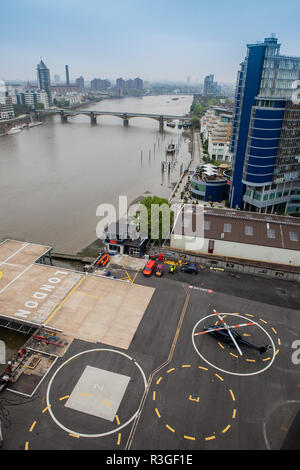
<point x="148" y="270"/>
<point x="160" y="270"/>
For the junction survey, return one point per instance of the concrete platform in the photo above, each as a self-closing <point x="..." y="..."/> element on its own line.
<point x="103" y="310"/>
<point x="33" y="295"/>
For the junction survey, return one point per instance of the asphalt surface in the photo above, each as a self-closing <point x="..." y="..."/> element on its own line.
<point x="199" y="393"/>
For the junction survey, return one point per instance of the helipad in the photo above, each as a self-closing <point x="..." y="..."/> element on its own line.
<point x="85" y="306"/>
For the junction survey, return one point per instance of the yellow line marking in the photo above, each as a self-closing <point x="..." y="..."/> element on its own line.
<point x="274" y="330"/>
<point x="135" y="276"/>
<point x="170" y="370"/>
<point x="154" y="395"/>
<point x="203" y="368"/>
<point x="63" y="398"/>
<point x="234" y="414"/>
<point x="276" y="352"/>
<point x="234" y="355"/>
<point x="232" y="395"/>
<point x="117" y="419"/>
<point x="186" y="365"/>
<point x="127" y="273"/>
<point x="159" y="380"/>
<point x="32" y="426"/>
<point x="246" y="334"/>
<point x="1" y="274"/>
<point x="157" y="412"/>
<point x="251" y="360"/>
<point x="66" y="298"/>
<point x="74" y="435"/>
<point x="226" y="429"/>
<point x="220" y="344"/>
<point x="45" y="409"/>
<point x="169" y="427"/>
<point x="266" y="359"/>
<point x="106" y="402"/>
<point x="263" y="320"/>
<point x="119" y="439"/>
<point x="190" y="437"/>
<point x="85" y="394"/>
<point x="279" y="342"/>
<point x="210" y="438"/>
<point x="249" y="315"/>
<point x="219" y="377"/>
<point x="26" y="445"/>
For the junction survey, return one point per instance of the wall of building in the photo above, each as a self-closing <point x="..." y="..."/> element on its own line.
<point x="239" y="250"/>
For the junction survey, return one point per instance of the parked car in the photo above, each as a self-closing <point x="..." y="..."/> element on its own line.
<point x="190" y="268"/>
<point x="148" y="270"/>
<point x="160" y="270"/>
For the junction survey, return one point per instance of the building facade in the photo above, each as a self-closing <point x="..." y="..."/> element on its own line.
<point x="6" y="107"/>
<point x="210" y="86"/>
<point x="216" y="129"/>
<point x="44" y="79"/>
<point x="265" y="141"/>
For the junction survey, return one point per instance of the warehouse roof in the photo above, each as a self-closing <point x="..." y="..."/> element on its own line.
<point x="239" y="226"/>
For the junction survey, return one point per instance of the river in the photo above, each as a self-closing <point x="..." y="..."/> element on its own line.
<point x="53" y="177"/>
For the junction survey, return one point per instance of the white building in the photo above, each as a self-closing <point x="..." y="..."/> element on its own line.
<point x="216" y="128"/>
<point x="244" y="236"/>
<point x="6" y="107"/>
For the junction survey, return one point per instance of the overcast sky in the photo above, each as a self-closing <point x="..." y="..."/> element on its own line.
<point x="153" y="39"/>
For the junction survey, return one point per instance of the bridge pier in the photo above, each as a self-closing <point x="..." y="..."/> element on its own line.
<point x="125" y="120"/>
<point x="93" y="118"/>
<point x="63" y="117"/>
<point x="161" y="124"/>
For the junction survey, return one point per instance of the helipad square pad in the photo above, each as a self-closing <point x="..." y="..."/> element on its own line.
<point x="98" y="392"/>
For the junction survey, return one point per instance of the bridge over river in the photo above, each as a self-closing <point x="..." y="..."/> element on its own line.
<point x="66" y="113"/>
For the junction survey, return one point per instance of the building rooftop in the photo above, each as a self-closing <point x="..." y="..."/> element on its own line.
<point x="243" y="227"/>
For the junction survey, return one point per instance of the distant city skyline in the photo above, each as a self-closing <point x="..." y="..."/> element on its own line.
<point x="158" y="41"/>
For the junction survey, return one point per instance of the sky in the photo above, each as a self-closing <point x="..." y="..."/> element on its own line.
<point x="154" y="39"/>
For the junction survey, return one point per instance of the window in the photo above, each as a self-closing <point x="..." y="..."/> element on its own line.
<point x="248" y="230"/>
<point x="294" y="237"/>
<point x="271" y="233"/>
<point x="227" y="228"/>
<point x="206" y="224"/>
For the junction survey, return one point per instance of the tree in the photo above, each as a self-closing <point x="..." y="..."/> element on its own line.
<point x="158" y="217"/>
<point x="40" y="106"/>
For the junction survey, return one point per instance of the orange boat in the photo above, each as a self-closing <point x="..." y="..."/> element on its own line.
<point x="103" y="260"/>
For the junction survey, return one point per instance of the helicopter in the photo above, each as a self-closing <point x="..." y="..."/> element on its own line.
<point x="231" y="336"/>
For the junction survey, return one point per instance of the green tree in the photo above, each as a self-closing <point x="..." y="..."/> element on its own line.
<point x="158" y="217"/>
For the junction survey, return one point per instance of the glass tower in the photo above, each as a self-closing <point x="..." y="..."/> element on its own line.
<point x="44" y="79"/>
<point x="265" y="141"/>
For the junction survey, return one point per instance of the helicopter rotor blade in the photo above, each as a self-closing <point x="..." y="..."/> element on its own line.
<point x="235" y="343"/>
<point x="223" y="328"/>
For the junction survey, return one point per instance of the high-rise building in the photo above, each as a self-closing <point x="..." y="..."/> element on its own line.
<point x="98" y="84"/>
<point x="6" y="106"/>
<point x="67" y="75"/>
<point x="44" y="79"/>
<point x="138" y="84"/>
<point x="56" y="78"/>
<point x="210" y="86"/>
<point x="265" y="142"/>
<point x="80" y="82"/>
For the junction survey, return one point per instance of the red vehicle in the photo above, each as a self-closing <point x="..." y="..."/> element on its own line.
<point x="148" y="270"/>
<point x="160" y="270"/>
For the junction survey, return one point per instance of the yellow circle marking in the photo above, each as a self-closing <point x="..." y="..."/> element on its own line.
<point x="210" y="438"/>
<point x="234" y="414"/>
<point x="190" y="438"/>
<point x="159" y="380"/>
<point x="274" y="330"/>
<point x="186" y="365"/>
<point x="74" y="435"/>
<point x="234" y="355"/>
<point x="45" y="409"/>
<point x="154" y="395"/>
<point x="219" y="377"/>
<point x="232" y="395"/>
<point x="157" y="412"/>
<point x="32" y="426"/>
<point x="220" y="344"/>
<point x="226" y="429"/>
<point x="203" y="368"/>
<point x="26" y="445"/>
<point x="170" y="370"/>
<point x="119" y="439"/>
<point x="63" y="398"/>
<point x="117" y="419"/>
<point x="170" y="429"/>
